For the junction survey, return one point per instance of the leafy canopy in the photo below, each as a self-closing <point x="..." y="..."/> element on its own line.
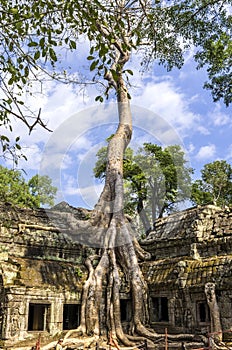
<point x="156" y="179"/>
<point x="41" y="188"/>
<point x="36" y="37"/>
<point x="15" y="190"/>
<point x="215" y="185"/>
<point x="168" y="177"/>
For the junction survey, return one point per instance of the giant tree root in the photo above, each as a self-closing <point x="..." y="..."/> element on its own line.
<point x="102" y="290"/>
<point x="80" y="342"/>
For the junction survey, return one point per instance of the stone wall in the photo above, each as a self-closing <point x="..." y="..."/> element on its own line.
<point x="203" y="230"/>
<point x="190" y="249"/>
<point x="42" y="269"/>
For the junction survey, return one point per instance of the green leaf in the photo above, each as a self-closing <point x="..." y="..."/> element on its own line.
<point x="32" y="44"/>
<point x="4" y="138"/>
<point x="93" y="65"/>
<point x="11" y="46"/>
<point x="26" y="71"/>
<point x="129" y="71"/>
<point x="99" y="98"/>
<point x="11" y="81"/>
<point x="37" y="55"/>
<point x="72" y="44"/>
<point x="14" y="10"/>
<point x="52" y="54"/>
<point x="42" y="42"/>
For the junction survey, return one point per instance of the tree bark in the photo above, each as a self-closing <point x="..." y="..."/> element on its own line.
<point x="102" y="288"/>
<point x="143" y="216"/>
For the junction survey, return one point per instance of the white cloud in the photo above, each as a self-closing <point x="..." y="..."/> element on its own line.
<point x="206" y="152"/>
<point x="190" y="148"/>
<point x="88" y="195"/>
<point x="67" y="162"/>
<point x="203" y="130"/>
<point x="166" y="100"/>
<point x="33" y="154"/>
<point x="220" y="118"/>
<point x="81" y="143"/>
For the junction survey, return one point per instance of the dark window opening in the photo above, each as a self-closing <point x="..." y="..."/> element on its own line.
<point x="125" y="308"/>
<point x="71" y="316"/>
<point x="159" y="309"/>
<point x="203" y="312"/>
<point x="38" y="317"/>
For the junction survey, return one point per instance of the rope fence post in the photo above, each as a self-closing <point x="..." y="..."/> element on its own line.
<point x="166" y="339"/>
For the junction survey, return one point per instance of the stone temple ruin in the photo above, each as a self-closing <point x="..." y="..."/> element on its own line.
<point x="42" y="273"/>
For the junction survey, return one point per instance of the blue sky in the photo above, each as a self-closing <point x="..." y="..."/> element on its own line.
<point x="168" y="108"/>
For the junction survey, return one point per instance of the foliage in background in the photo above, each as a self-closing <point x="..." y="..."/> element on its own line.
<point x="15" y="190"/>
<point x="156" y="180"/>
<point x="168" y="177"/>
<point x="41" y="188"/>
<point x="215" y="185"/>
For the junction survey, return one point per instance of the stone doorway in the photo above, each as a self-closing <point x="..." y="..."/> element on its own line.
<point x="71" y="316"/>
<point x="38" y="317"/>
<point x="159" y="310"/>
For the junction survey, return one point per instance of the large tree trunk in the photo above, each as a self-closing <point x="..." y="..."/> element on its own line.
<point x="143" y="216"/>
<point x="101" y="292"/>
